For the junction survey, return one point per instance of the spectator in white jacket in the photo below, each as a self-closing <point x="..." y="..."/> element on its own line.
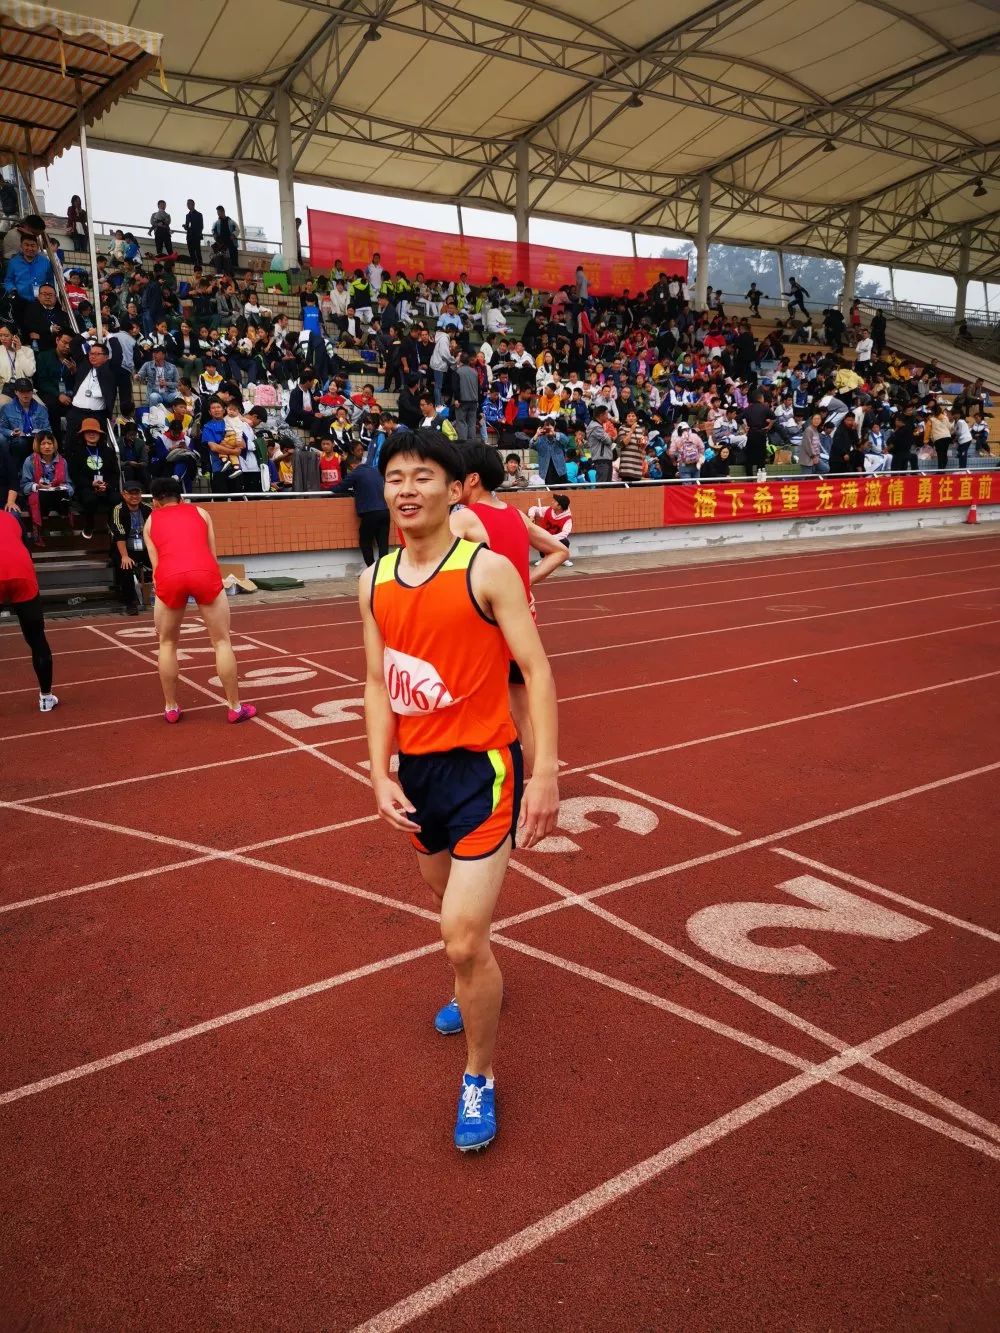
<point x="442" y="363"/>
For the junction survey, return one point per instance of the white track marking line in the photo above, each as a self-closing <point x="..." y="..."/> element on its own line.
<point x="900" y="898"/>
<point x="429" y="1298"/>
<point x="681" y="607"/>
<point x="970" y="1140"/>
<point x="213" y="1024"/>
<point x="776" y="661"/>
<point x="267" y="726"/>
<point x="172" y="866"/>
<point x="667" y="805"/>
<point x="664" y="577"/>
<point x="782" y="722"/>
<point x="764" y="624"/>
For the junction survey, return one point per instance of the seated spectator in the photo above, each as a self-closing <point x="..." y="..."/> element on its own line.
<point x="45" y="483"/>
<point x="94" y="472"/>
<point x="21" y="419"/>
<point x="302" y="407"/>
<point x="158" y="375"/>
<point x="17" y="362"/>
<point x="514" y="475"/>
<point x="556" y="518"/>
<point x="42" y="320"/>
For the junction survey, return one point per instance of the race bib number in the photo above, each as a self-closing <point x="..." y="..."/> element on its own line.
<point x="414" y="685"/>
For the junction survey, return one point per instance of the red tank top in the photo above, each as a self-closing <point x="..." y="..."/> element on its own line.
<point x="507" y="536"/>
<point x="180" y="536"/>
<point x="15" y="558"/>
<point x="445" y="662"/>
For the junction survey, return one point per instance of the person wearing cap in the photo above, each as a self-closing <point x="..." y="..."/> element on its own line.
<point x="96" y="387"/>
<point x="129" y="556"/>
<point x="21" y="419"/>
<point x="94" y="471"/>
<point x="28" y="269"/>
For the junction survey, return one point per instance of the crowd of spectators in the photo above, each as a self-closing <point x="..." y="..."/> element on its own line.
<point x="200" y="377"/>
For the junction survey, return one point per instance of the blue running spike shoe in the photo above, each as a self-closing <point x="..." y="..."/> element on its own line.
<point x="476" y="1125"/>
<point x="448" y="1020"/>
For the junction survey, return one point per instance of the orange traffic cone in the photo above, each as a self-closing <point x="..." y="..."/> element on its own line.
<point x="972" y="516"/>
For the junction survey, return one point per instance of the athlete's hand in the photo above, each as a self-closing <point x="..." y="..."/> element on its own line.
<point x="539" y="810"/>
<point x="393" y="805"/>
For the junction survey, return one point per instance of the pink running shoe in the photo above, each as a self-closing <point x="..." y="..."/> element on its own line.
<point x="242" y="714"/>
<point x="172" y="715"/>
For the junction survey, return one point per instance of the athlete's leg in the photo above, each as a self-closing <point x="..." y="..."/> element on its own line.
<point x="435" y="870"/>
<point x="31" y="618"/>
<point x="466" y="914"/>
<point x="216" y="617"/>
<point x="522" y="720"/>
<point x="168" y="628"/>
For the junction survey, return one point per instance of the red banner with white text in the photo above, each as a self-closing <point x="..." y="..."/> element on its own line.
<point x="442" y="256"/>
<point x="812" y="497"/>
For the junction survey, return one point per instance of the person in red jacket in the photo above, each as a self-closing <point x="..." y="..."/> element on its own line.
<point x="19" y="591"/>
<point x="180" y="540"/>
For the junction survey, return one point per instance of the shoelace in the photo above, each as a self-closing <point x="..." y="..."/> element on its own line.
<point x="472" y="1101"/>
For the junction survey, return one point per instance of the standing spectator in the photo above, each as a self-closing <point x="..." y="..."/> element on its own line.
<point x="687" y="451"/>
<point x="843" y="445"/>
<point x="365" y="483"/>
<point x="467" y="406"/>
<point x="863" y="353"/>
<point x="159" y="228"/>
<point x="878" y="332"/>
<point x="599" y="444"/>
<point x="631" y="449"/>
<point x="759" y="419"/>
<point x="76" y="225"/>
<point x="441" y="363"/>
<point x="753" y="300"/>
<point x="937" y="432"/>
<point x="93" y="470"/>
<point x="151" y="305"/>
<point x="225" y="232"/>
<point x="810" y="452"/>
<point x="128" y="545"/>
<point x="194" y="229"/>
<point x="796" y="295"/>
<point x="94" y="391"/>
<point x="375" y="274"/>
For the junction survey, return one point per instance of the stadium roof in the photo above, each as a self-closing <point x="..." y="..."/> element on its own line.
<point x="794" y="109"/>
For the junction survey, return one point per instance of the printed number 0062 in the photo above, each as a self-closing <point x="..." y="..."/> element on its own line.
<point x="413" y="694"/>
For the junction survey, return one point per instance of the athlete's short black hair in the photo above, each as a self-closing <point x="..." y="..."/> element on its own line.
<point x="164" y="488"/>
<point x="427" y="444"/>
<point x="484" y="460"/>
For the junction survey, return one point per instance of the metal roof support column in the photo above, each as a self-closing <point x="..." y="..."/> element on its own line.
<point x="892" y="284"/>
<point x="962" y="277"/>
<point x="286" y="177"/>
<point x="635" y="248"/>
<point x="986" y="299"/>
<point x="851" y="259"/>
<point x="781" y="276"/>
<point x="239" y="208"/>
<point x="521" y="187"/>
<point x="704" y="207"/>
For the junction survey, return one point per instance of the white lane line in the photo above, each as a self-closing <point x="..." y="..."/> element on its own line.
<point x="667" y="805"/>
<point x="171" y="866"/>
<point x="429" y="1298"/>
<point x="783" y="722"/>
<point x="762" y="624"/>
<point x="267" y="726"/>
<point x="775" y="661"/>
<point x="970" y="1140"/>
<point x="765" y="596"/>
<point x="213" y="1024"/>
<point x="900" y="898"/>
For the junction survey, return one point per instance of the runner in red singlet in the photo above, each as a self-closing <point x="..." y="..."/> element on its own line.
<point x="19" y="591"/>
<point x="180" y="540"/>
<point x="509" y="532"/>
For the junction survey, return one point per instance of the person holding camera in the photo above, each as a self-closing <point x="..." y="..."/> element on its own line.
<point x="551" y="445"/>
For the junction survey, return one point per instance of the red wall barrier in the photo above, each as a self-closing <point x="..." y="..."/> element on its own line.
<point x="440" y="255"/>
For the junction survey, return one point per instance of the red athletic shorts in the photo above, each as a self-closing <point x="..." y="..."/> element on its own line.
<point x="13" y="591"/>
<point x="173" y="590"/>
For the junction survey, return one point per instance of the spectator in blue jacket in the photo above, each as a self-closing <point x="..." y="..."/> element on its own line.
<point x="366" y="485"/>
<point x="28" y="270"/>
<point x="21" y="419"/>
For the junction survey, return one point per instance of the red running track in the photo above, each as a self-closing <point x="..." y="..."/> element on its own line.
<point x="747" y="1073"/>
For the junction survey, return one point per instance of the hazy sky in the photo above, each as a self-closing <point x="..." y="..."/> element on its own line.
<point x="126" y="190"/>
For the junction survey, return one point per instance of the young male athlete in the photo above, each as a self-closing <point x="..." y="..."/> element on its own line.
<point x="19" y="591"/>
<point x="442" y="618"/>
<point x="180" y="540"/>
<point x="508" y="532"/>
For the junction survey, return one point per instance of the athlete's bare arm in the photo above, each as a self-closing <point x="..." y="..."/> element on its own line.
<point x="380" y="721"/>
<point x="154" y="555"/>
<point x="498" y="589"/>
<point x="552" y="550"/>
<point x="464" y="523"/>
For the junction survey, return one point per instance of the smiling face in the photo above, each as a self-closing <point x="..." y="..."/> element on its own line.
<point x="419" y="494"/>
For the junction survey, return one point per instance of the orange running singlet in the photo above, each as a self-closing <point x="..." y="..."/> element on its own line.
<point x="446" y="661"/>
